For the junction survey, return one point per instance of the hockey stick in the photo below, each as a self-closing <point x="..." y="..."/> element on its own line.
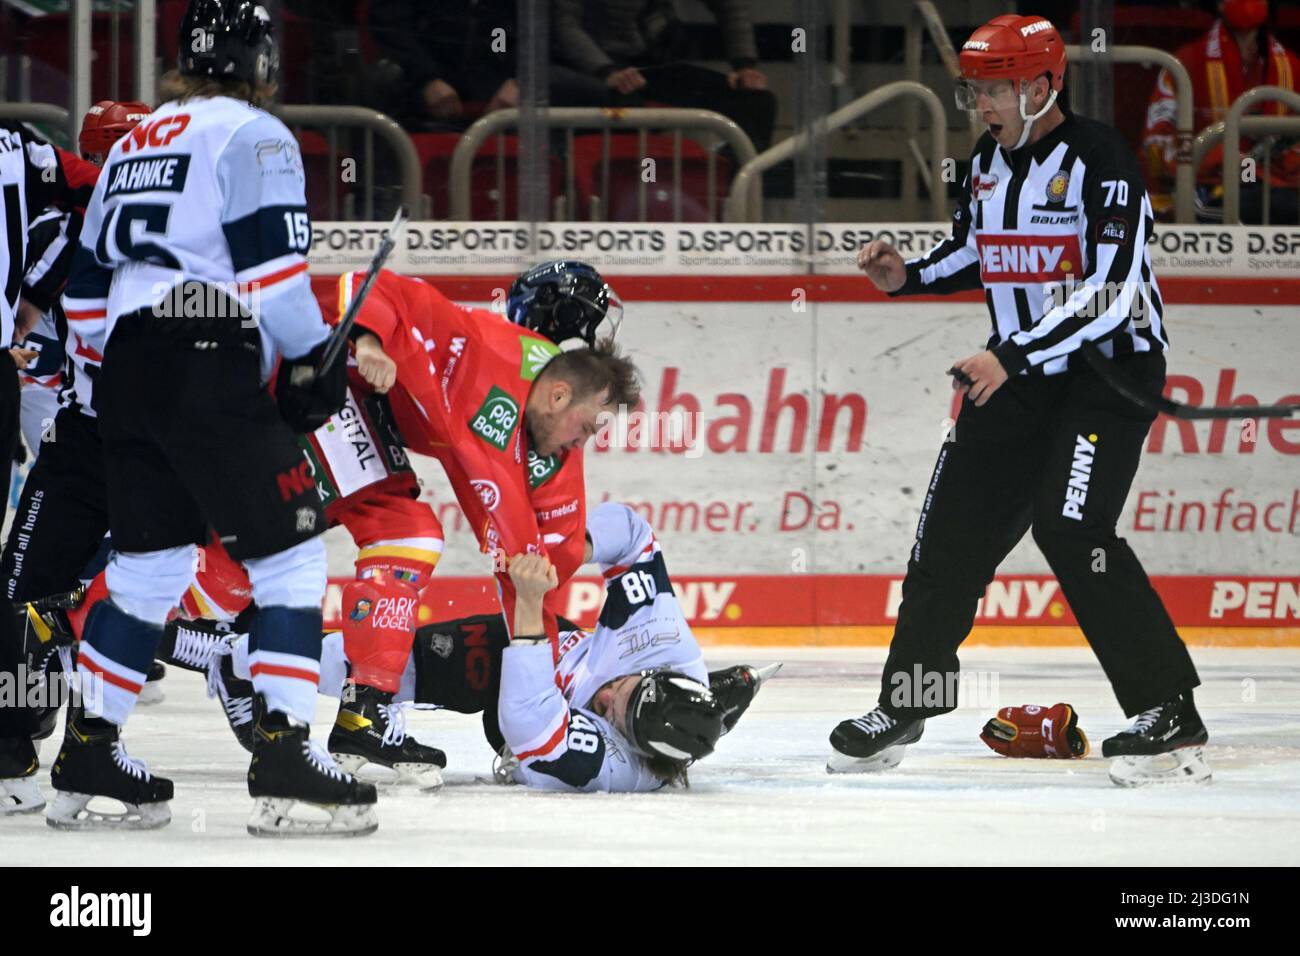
<point x="1120" y="382"/>
<point x="1117" y="380"/>
<point x="305" y="374"/>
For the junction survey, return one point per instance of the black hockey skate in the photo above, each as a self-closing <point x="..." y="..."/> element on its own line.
<point x="370" y="728"/>
<point x="1163" y="746"/>
<point x="19" y="792"/>
<point x="735" y="689"/>
<point x="288" y="772"/>
<point x="235" y="693"/>
<point x="872" y="742"/>
<point x="93" y="763"/>
<point x="49" y="647"/>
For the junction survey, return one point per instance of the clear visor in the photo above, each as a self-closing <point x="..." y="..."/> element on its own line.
<point x="986" y="94"/>
<point x="609" y="325"/>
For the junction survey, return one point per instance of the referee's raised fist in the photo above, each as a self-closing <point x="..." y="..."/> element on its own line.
<point x="883" y="265"/>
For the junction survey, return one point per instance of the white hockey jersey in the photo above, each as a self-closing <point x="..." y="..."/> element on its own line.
<point x="544" y="707"/>
<point x="206" y="192"/>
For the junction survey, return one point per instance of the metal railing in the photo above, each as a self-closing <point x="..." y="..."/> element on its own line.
<point x="923" y="20"/>
<point x="1232" y="125"/>
<point x="745" y="204"/>
<point x="373" y="122"/>
<point x="36" y="113"/>
<point x="571" y="118"/>
<point x="1184" y="170"/>
<point x="1212" y="135"/>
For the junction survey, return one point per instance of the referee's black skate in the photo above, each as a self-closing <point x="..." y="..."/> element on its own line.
<point x="872" y="742"/>
<point x="289" y="773"/>
<point x="370" y="728"/>
<point x="235" y="693"/>
<point x="93" y="763"/>
<point x="19" y="792"/>
<point x="1163" y="746"/>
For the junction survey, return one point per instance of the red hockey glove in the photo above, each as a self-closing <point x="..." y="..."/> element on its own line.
<point x="1033" y="731"/>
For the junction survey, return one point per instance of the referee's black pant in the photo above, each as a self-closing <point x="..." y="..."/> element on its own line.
<point x="16" y="719"/>
<point x="1055" y="454"/>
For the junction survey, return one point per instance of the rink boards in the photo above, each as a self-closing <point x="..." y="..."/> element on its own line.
<point x="790" y="424"/>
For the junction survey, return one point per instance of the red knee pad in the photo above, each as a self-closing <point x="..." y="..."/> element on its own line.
<point x="378" y="629"/>
<point x="220" y="589"/>
<point x="1034" y="731"/>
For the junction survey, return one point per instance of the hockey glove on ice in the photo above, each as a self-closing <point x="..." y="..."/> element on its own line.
<point x="1033" y="731"/>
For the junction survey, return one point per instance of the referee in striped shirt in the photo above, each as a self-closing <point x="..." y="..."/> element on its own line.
<point x="1053" y="224"/>
<point x="33" y="175"/>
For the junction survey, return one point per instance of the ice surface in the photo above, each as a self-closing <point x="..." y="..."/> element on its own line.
<point x="765" y="797"/>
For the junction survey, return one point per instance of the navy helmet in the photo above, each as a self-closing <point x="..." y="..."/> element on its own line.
<point x="231" y="39"/>
<point x="562" y="300"/>
<point x="672" y="715"/>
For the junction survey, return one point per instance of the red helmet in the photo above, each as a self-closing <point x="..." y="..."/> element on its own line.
<point x="106" y="122"/>
<point x="1015" y="48"/>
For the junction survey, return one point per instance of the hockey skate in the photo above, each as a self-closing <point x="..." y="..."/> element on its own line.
<point x="50" y="647"/>
<point x="19" y="792"/>
<point x="735" y="689"/>
<point x="504" y="765"/>
<point x="871" y="743"/>
<point x="234" y="692"/>
<point x="289" y="775"/>
<point x="370" y="728"/>
<point x="1164" y="746"/>
<point x="93" y="763"/>
<point x="152" y="692"/>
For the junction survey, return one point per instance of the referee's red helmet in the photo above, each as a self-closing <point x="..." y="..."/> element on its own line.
<point x="1015" y="47"/>
<point x="105" y="123"/>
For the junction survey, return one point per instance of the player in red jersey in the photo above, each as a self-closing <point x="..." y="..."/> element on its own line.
<point x="504" y="410"/>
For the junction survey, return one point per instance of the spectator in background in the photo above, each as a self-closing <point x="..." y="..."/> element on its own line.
<point x="452" y="65"/>
<point x="1238" y="53"/>
<point x="622" y="53"/>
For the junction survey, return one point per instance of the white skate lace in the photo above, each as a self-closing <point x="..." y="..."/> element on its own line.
<point x="321" y="760"/>
<point x="876" y="722"/>
<point x="195" y="648"/>
<point x="127" y="763"/>
<point x="395" y="718"/>
<point x="239" y="710"/>
<point x="216" y="687"/>
<point x="1145" y="721"/>
<point x="504" y="766"/>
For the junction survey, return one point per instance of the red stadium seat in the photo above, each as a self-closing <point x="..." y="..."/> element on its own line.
<point x="435" y="151"/>
<point x="1164" y="28"/>
<point x="625" y="168"/>
<point x="322" y="179"/>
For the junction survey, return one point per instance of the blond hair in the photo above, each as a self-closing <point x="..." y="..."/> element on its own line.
<point x="179" y="87"/>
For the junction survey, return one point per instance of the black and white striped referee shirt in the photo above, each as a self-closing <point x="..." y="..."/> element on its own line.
<point x="1056" y="233"/>
<point x="33" y="175"/>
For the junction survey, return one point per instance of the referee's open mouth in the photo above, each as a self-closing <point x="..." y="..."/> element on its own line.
<point x="995" y="129"/>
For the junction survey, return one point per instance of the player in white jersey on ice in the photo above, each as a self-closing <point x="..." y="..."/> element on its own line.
<point x="204" y="205"/>
<point x="624" y="707"/>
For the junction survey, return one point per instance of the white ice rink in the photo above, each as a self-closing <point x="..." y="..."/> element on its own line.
<point x="765" y="797"/>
